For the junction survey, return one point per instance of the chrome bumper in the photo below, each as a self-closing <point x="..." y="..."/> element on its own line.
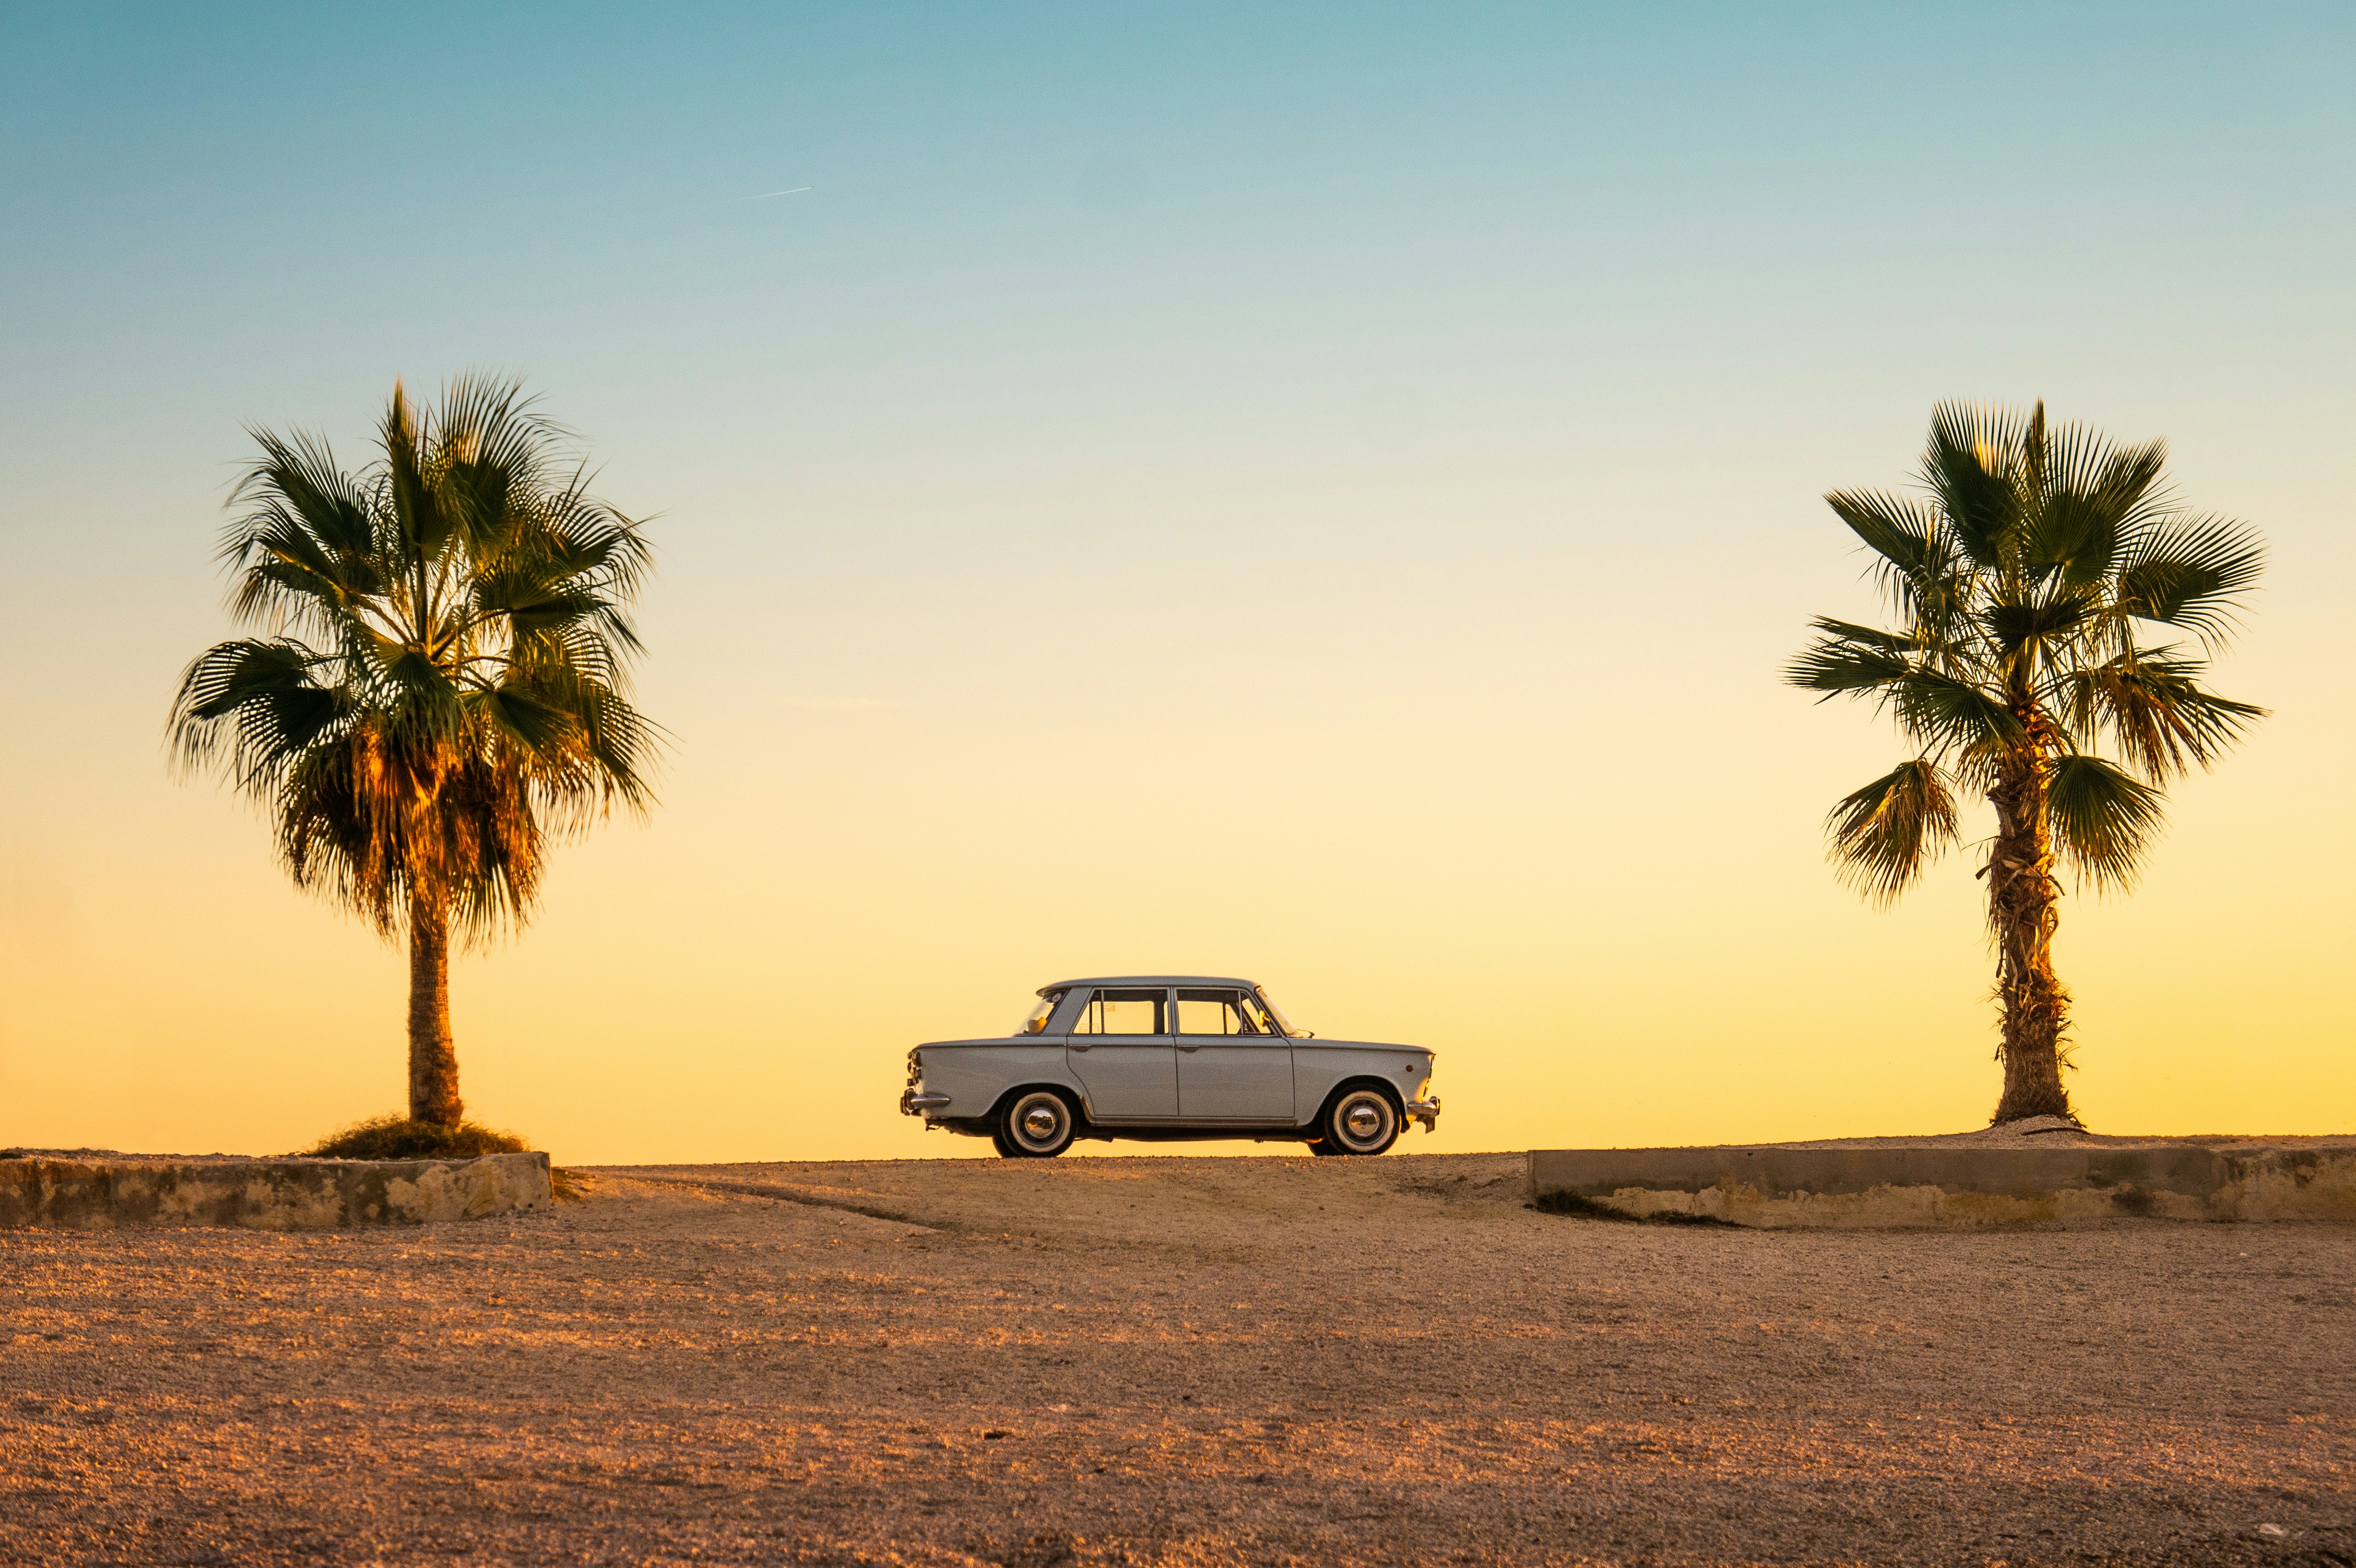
<point x="1424" y="1111"/>
<point x="915" y="1104"/>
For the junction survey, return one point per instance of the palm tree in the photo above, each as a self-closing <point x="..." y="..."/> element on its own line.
<point x="444" y="683"/>
<point x="2026" y="580"/>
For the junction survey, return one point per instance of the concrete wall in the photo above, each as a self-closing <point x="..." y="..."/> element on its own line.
<point x="267" y="1194"/>
<point x="1877" y="1188"/>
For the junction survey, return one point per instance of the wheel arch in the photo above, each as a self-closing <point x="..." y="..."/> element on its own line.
<point x="1070" y="1092"/>
<point x="1361" y="1081"/>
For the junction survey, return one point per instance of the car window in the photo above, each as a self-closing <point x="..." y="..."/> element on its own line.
<point x="1216" y="1012"/>
<point x="1257" y="1018"/>
<point x="1123" y="1012"/>
<point x="1036" y="1019"/>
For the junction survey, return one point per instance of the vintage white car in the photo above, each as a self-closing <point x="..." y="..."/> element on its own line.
<point x="1166" y="1057"/>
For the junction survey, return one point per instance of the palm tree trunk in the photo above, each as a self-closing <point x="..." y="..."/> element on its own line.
<point x="433" y="1056"/>
<point x="2023" y="910"/>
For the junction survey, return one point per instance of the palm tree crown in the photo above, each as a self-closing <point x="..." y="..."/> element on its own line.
<point x="444" y="683"/>
<point x="2029" y="580"/>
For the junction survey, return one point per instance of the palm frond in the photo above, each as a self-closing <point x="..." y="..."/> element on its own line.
<point x="2156" y="711"/>
<point x="2071" y="525"/>
<point x="2014" y="624"/>
<point x="2071" y="537"/>
<point x="298" y="477"/>
<point x="2130" y="487"/>
<point x="1871" y="636"/>
<point x="250" y="707"/>
<point x="2192" y="572"/>
<point x="587" y="538"/>
<point x="543" y="730"/>
<point x="303" y="540"/>
<point x="2104" y="818"/>
<point x="1917" y="564"/>
<point x="1951" y="716"/>
<point x="419" y="521"/>
<point x="1971" y="467"/>
<point x="2091" y="501"/>
<point x="1835" y="665"/>
<point x="1883" y="835"/>
<point x="488" y="452"/>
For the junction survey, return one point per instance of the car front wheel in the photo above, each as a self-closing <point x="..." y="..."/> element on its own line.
<point x="1359" y="1120"/>
<point x="1037" y="1126"/>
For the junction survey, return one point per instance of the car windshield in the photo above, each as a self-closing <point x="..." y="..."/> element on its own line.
<point x="1275" y="1013"/>
<point x="1036" y="1019"/>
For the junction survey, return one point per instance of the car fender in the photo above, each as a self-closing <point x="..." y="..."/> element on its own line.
<point x="977" y="1075"/>
<point x="1322" y="1069"/>
<point x="1389" y="1092"/>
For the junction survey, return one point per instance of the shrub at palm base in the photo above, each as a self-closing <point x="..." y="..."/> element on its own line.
<point x="403" y="1137"/>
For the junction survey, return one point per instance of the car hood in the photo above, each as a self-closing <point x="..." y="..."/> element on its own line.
<point x="1320" y="1044"/>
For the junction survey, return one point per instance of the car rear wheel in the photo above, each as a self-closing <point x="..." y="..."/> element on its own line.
<point x="1359" y="1120"/>
<point x="1038" y="1124"/>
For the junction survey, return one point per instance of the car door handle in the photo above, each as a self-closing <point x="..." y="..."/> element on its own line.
<point x="1077" y="1046"/>
<point x="1190" y="1048"/>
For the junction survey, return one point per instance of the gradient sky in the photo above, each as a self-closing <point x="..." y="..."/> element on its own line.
<point x="1314" y="494"/>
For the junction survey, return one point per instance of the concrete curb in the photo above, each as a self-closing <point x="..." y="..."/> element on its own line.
<point x="266" y="1194"/>
<point x="1869" y="1189"/>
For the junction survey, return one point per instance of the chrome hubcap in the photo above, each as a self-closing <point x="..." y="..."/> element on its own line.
<point x="1365" y="1121"/>
<point x="1041" y="1123"/>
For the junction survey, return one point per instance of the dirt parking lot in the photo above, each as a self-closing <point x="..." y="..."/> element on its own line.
<point x="1181" y="1362"/>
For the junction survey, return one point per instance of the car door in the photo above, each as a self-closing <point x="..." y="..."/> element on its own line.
<point x="1232" y="1064"/>
<point x="1121" y="1050"/>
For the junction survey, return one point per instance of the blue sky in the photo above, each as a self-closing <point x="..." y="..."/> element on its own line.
<point x="1499" y="206"/>
<point x="1115" y="249"/>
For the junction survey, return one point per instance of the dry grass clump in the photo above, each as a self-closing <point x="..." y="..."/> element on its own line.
<point x="398" y="1138"/>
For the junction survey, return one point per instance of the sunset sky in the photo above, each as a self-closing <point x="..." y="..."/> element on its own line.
<point x="1320" y="495"/>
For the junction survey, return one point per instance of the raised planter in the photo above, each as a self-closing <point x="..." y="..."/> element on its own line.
<point x="1921" y="1185"/>
<point x="106" y="1192"/>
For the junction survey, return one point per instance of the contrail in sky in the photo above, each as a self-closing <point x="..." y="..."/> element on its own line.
<point x="767" y="194"/>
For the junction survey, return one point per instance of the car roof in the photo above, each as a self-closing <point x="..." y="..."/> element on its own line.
<point x="1151" y="980"/>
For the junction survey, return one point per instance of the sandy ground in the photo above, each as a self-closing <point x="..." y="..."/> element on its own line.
<point x="1183" y="1362"/>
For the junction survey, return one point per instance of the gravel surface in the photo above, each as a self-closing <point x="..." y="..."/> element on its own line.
<point x="1183" y="1362"/>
